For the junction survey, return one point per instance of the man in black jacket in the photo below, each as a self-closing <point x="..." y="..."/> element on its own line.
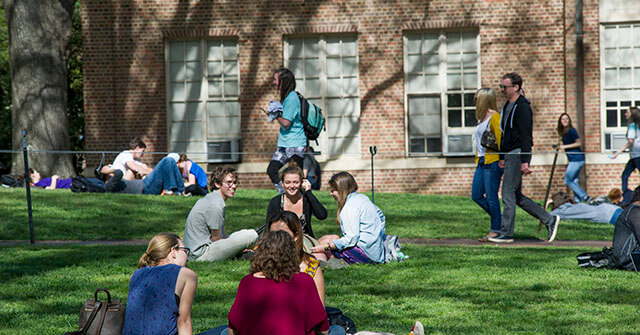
<point x="516" y="124"/>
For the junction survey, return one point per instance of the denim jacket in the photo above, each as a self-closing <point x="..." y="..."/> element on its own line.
<point x="363" y="225"/>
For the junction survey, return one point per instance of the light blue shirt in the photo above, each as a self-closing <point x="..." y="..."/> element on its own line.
<point x="293" y="136"/>
<point x="363" y="225"/>
<point x="634" y="133"/>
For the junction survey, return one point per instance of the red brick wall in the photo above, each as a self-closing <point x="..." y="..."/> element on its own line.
<point x="125" y="80"/>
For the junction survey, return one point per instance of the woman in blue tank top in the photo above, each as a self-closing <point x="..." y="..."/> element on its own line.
<point x="161" y="290"/>
<point x="194" y="175"/>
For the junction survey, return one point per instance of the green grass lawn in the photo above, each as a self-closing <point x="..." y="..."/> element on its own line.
<point x="452" y="290"/>
<point x="63" y="215"/>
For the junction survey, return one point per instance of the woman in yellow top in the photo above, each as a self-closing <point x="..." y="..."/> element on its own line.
<point x="486" y="180"/>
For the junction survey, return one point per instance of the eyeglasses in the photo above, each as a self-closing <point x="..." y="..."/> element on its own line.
<point x="503" y="87"/>
<point x="186" y="250"/>
<point x="230" y="183"/>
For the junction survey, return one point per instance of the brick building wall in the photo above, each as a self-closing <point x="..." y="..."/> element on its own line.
<point x="125" y="87"/>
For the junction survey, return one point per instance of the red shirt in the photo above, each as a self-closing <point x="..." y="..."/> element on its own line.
<point x="263" y="306"/>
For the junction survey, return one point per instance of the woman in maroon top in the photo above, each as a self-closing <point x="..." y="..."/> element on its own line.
<point x="275" y="298"/>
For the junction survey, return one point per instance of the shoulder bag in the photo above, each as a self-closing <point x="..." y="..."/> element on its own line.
<point x="100" y="317"/>
<point x="488" y="139"/>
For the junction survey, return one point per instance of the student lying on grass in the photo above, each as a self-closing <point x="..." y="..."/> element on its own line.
<point x="50" y="183"/>
<point x="563" y="206"/>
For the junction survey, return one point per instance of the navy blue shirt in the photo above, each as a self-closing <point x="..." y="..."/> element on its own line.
<point x="569" y="138"/>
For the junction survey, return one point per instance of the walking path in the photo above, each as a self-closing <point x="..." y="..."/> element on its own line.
<point x="422" y="241"/>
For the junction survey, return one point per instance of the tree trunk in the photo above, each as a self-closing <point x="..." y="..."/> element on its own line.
<point x="39" y="38"/>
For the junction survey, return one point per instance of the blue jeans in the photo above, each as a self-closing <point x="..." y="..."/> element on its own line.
<point x="165" y="176"/>
<point x="571" y="179"/>
<point x="484" y="190"/>
<point x="632" y="164"/>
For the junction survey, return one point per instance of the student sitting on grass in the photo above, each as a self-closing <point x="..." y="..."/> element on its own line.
<point x="50" y="183"/>
<point x="161" y="290"/>
<point x="362" y="224"/>
<point x="275" y="298"/>
<point x="563" y="206"/>
<point x="194" y="175"/>
<point x="164" y="179"/>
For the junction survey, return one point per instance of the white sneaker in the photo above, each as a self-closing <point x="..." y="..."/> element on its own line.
<point x="418" y="329"/>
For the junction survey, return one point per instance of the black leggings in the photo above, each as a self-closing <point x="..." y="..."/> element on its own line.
<point x="274" y="167"/>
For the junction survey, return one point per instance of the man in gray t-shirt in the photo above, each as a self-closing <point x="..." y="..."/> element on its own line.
<point x="204" y="233"/>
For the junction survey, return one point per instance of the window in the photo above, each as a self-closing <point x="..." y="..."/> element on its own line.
<point x="326" y="70"/>
<point x="441" y="78"/>
<point x="621" y="79"/>
<point x="203" y="88"/>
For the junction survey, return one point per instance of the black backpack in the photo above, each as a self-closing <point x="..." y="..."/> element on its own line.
<point x="313" y="122"/>
<point x="625" y="242"/>
<point x="336" y="317"/>
<point x="12" y="181"/>
<point x="80" y="184"/>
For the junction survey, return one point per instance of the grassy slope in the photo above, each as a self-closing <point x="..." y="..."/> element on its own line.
<point x="452" y="290"/>
<point x="64" y="215"/>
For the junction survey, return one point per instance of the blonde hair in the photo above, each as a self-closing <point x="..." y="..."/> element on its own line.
<point x="344" y="183"/>
<point x="159" y="247"/>
<point x="485" y="100"/>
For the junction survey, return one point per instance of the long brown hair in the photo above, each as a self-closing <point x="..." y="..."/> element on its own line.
<point x="561" y="129"/>
<point x="485" y="100"/>
<point x="293" y="223"/>
<point x="345" y="184"/>
<point x="635" y="115"/>
<point x="159" y="247"/>
<point x="276" y="256"/>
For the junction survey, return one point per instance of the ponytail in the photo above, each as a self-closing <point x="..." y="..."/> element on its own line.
<point x="158" y="249"/>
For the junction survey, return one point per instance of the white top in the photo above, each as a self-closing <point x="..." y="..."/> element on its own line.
<point x="479" y="130"/>
<point x="120" y="162"/>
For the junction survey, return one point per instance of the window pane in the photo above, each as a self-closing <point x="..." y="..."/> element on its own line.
<point x="333" y="46"/>
<point x="310" y="47"/>
<point x="470" y="61"/>
<point x="432" y="64"/>
<point x="468" y="99"/>
<point x="415" y="63"/>
<point x="193" y="71"/>
<point x="416" y="83"/>
<point x="216" y="126"/>
<point x="179" y="131"/>
<point x="610" y="37"/>
<point x="434" y="125"/>
<point x="193" y="112"/>
<point x="612" y="120"/>
<point x="417" y="145"/>
<point x="431" y="43"/>
<point x="610" y="78"/>
<point x="214" y="69"/>
<point x="177" y="92"/>
<point x="176" y="51"/>
<point x="312" y="87"/>
<point x="610" y="57"/>
<point x="214" y="51"/>
<point x="470" y="41"/>
<point x="470" y="118"/>
<point x="295" y="48"/>
<point x="454" y="62"/>
<point x="414" y="43"/>
<point x="636" y="35"/>
<point x="431" y="82"/>
<point x="230" y="50"/>
<point x="349" y="66"/>
<point x="432" y="105"/>
<point x="350" y="86"/>
<point x="178" y="112"/>
<point x="215" y="88"/>
<point x="460" y="143"/>
<point x="233" y="125"/>
<point x="455" y="118"/>
<point x="625" y="57"/>
<point x="232" y="108"/>
<point x="351" y="106"/>
<point x="194" y="131"/>
<point x="311" y="67"/>
<point x="230" y="88"/>
<point x="334" y="126"/>
<point x="192" y="51"/>
<point x="193" y="90"/>
<point x="636" y="57"/>
<point x="351" y="145"/>
<point x="624" y="36"/>
<point x="349" y="46"/>
<point x="297" y="66"/>
<point x="624" y="79"/>
<point x="333" y="67"/>
<point x="215" y="108"/>
<point x="351" y="126"/>
<point x="434" y="144"/>
<point x="231" y="68"/>
<point x="453" y="42"/>
<point x="416" y="105"/>
<point x="453" y="81"/>
<point x="470" y="81"/>
<point x="177" y="71"/>
<point x="454" y="100"/>
<point x="417" y="125"/>
<point x="335" y="107"/>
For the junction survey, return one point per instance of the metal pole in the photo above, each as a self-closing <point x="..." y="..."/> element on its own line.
<point x="27" y="178"/>
<point x="373" y="151"/>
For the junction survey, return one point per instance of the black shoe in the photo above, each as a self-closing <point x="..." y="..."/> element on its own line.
<point x="501" y="239"/>
<point x="553" y="227"/>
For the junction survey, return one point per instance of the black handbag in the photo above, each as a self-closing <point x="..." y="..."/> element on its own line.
<point x="489" y="139"/>
<point x="100" y="317"/>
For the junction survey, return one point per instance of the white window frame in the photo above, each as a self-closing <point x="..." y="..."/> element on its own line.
<point x="618" y="132"/>
<point x="204" y="99"/>
<point x="446" y="131"/>
<point x="321" y="100"/>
